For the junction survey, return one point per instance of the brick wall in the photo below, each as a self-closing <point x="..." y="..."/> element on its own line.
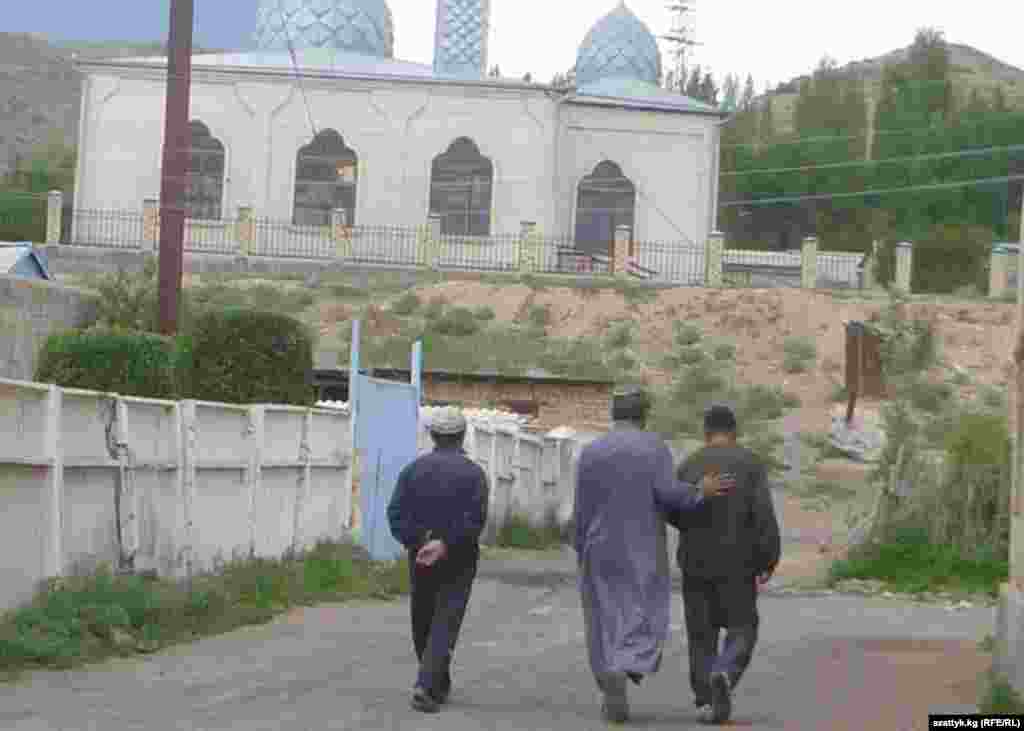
<point x="582" y="406"/>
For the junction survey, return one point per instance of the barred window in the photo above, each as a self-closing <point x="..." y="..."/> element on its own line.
<point x="325" y="179"/>
<point x="461" y="182"/>
<point x="204" y="180"/>
<point x="606" y="199"/>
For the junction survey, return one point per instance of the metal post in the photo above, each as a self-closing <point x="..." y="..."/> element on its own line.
<point x="175" y="161"/>
<point x="417" y="371"/>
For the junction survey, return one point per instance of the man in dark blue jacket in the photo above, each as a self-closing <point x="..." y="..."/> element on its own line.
<point x="438" y="512"/>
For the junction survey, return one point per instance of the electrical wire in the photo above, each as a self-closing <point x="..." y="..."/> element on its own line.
<point x="884" y="161"/>
<point x="876" y="191"/>
<point x="903" y="132"/>
<point x="295" y="67"/>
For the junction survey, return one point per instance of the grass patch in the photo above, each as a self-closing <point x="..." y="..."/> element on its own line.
<point x="89" y="618"/>
<point x="686" y="334"/>
<point x="406" y="305"/>
<point x="435" y="308"/>
<point x="620" y="335"/>
<point x="799" y="355"/>
<point x="1000" y="697"/>
<point x="519" y="532"/>
<point x="910" y="563"/>
<point x="484" y="313"/>
<point x="457" y="322"/>
<point x="724" y="352"/>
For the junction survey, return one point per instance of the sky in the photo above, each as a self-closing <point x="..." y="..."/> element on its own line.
<point x="774" y="41"/>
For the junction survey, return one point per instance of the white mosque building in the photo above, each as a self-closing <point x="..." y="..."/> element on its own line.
<point x="321" y="116"/>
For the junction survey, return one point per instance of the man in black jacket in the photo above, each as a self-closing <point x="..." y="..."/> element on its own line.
<point x="438" y="512"/>
<point x="724" y="557"/>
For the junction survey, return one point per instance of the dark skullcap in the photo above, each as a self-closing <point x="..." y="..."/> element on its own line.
<point x="719" y="419"/>
<point x="630" y="404"/>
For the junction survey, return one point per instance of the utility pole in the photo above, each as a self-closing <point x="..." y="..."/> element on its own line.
<point x="175" y="162"/>
<point x="1017" y="476"/>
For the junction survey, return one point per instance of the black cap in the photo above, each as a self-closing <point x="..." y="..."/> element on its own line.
<point x="719" y="419"/>
<point x="630" y="404"/>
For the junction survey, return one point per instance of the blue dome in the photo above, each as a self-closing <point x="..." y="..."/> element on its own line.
<point x="357" y="26"/>
<point x="619" y="46"/>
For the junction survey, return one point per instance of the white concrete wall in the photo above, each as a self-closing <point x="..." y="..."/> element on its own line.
<point x="203" y="482"/>
<point x="540" y="149"/>
<point x="668" y="157"/>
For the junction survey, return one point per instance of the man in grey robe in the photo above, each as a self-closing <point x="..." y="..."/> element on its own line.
<point x="624" y="488"/>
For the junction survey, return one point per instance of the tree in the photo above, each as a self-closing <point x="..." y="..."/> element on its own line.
<point x="730" y="93"/>
<point x="999" y="104"/>
<point x="747" y="100"/>
<point x="495" y="72"/>
<point x="528" y="77"/>
<point x="766" y="121"/>
<point x="693" y="84"/>
<point x="708" y="90"/>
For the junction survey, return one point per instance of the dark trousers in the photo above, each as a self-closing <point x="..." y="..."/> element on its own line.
<point x="440" y="595"/>
<point x="712" y="605"/>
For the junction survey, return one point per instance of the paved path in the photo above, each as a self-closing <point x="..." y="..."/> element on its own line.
<point x="826" y="662"/>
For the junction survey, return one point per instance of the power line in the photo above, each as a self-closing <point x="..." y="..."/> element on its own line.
<point x="884" y="161"/>
<point x="877" y="133"/>
<point x="295" y="66"/>
<point x="876" y="191"/>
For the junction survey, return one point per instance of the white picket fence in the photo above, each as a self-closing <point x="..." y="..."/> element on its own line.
<point x="88" y="478"/>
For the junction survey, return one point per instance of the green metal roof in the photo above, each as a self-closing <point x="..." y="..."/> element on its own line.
<point x="639" y="94"/>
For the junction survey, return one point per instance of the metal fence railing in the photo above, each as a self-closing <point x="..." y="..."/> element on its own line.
<point x="656" y="262"/>
<point x="106" y="228"/>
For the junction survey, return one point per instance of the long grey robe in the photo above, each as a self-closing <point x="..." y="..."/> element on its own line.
<point x="624" y="481"/>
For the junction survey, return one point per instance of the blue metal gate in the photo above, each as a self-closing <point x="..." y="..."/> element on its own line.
<point x="386" y="418"/>
<point x="386" y="425"/>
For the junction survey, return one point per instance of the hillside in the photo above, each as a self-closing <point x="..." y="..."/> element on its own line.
<point x="40" y="89"/>
<point x="972" y="69"/>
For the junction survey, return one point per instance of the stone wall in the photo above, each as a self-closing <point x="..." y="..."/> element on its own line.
<point x="582" y="406"/>
<point x="31" y="310"/>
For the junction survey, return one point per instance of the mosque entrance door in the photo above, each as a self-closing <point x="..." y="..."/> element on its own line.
<point x="605" y="200"/>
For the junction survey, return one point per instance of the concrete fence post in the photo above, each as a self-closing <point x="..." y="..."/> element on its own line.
<point x="999" y="271"/>
<point x="714" y="249"/>
<point x="254" y="475"/>
<point x="54" y="454"/>
<point x="809" y="263"/>
<point x="54" y="212"/>
<point x="620" y="250"/>
<point x="904" y="266"/>
<point x="151" y="224"/>
<point x="527" y="254"/>
<point x="245" y="231"/>
<point x="341" y="234"/>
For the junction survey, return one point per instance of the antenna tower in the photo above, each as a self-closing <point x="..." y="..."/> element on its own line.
<point x="682" y="35"/>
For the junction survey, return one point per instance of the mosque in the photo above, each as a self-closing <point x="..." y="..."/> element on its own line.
<point x="321" y="116"/>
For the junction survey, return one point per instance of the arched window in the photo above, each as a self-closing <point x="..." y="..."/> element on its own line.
<point x="204" y="181"/>
<point x="461" y="182"/>
<point x="606" y="199"/>
<point x="325" y="179"/>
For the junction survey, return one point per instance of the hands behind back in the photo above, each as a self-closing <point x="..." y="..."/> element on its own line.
<point x="715" y="483"/>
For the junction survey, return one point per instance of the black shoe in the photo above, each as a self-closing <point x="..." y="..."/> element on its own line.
<point x="423" y="702"/>
<point x="635" y="677"/>
<point x="721" y="698"/>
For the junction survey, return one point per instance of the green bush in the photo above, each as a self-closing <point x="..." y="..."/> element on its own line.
<point x="800" y="354"/>
<point x="458" y="321"/>
<point x="930" y="397"/>
<point x="686" y="334"/>
<point x="435" y="308"/>
<point x="405" y="305"/>
<point x="725" y="351"/>
<point x="22" y="217"/>
<point x="519" y="532"/>
<point x="126" y="363"/>
<point x="690" y="355"/>
<point x="950" y="257"/>
<point x="129" y="301"/>
<point x="620" y="335"/>
<point x="245" y="357"/>
<point x="538" y="317"/>
<point x="484" y="313"/>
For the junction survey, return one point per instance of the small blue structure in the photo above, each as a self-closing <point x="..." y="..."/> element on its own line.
<point x="21" y="259"/>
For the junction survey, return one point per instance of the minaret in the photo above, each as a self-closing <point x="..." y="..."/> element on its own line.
<point x="460" y="39"/>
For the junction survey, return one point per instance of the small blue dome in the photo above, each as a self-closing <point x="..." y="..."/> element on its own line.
<point x="358" y="26"/>
<point x="619" y="46"/>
